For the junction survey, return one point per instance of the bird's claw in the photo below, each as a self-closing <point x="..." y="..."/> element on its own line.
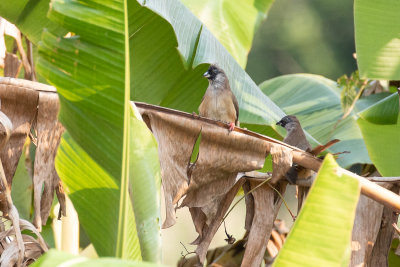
<point x="231" y="126"/>
<point x="194" y="115"/>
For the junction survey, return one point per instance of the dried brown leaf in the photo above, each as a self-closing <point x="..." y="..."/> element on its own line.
<point x="33" y="249"/>
<point x="174" y="159"/>
<point x="212" y="228"/>
<point x="221" y="158"/>
<point x="19" y="103"/>
<point x="10" y="255"/>
<point x="23" y="101"/>
<point x="365" y="230"/>
<point x="24" y="249"/>
<point x="215" y="177"/>
<point x="385" y="236"/>
<point x="282" y="160"/>
<point x="49" y="133"/>
<point x="263" y="222"/>
<point x="14" y="216"/>
<point x="249" y="200"/>
<point x="199" y="220"/>
<point x="25" y="225"/>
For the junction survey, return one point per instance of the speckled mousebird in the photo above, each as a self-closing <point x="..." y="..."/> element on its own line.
<point x="219" y="103"/>
<point x="295" y="137"/>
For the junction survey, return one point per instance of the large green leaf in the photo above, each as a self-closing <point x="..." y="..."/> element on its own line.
<point x="315" y="100"/>
<point x="383" y="143"/>
<point x="377" y="31"/>
<point x="54" y="258"/>
<point x="321" y="235"/>
<point x="96" y="196"/>
<point x="29" y="16"/>
<point x="21" y="191"/>
<point x="233" y="22"/>
<point x="145" y="180"/>
<point x="384" y="111"/>
<point x="92" y="72"/>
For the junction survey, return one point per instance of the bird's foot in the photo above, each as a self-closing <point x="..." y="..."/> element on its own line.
<point x="231" y="126"/>
<point x="194" y="115"/>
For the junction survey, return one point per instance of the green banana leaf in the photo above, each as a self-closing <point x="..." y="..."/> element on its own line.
<point x="377" y="30"/>
<point x="145" y="179"/>
<point x="393" y="258"/>
<point x="22" y="189"/>
<point x="233" y="22"/>
<point x="383" y="143"/>
<point x="380" y="127"/>
<point x="96" y="197"/>
<point x="385" y="111"/>
<point x="92" y="72"/>
<point x="321" y="235"/>
<point x="315" y="100"/>
<point x="54" y="258"/>
<point x="30" y="17"/>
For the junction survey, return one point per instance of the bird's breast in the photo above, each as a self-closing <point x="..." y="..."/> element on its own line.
<point x="218" y="105"/>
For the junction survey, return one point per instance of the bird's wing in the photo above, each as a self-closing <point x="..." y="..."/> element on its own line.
<point x="202" y="108"/>
<point x="235" y="103"/>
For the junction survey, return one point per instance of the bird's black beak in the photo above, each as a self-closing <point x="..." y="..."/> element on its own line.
<point x="280" y="123"/>
<point x="206" y="74"/>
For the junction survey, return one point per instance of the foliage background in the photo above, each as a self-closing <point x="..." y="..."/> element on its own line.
<point x="305" y="36"/>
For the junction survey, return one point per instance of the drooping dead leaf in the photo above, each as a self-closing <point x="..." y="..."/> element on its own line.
<point x="49" y="132"/>
<point x="174" y="158"/>
<point x="19" y="103"/>
<point x="215" y="222"/>
<point x="221" y="157"/>
<point x="282" y="160"/>
<point x="249" y="200"/>
<point x="261" y="227"/>
<point x="29" y="103"/>
<point x="211" y="182"/>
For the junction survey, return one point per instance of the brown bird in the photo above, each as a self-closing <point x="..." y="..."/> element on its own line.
<point x="219" y="103"/>
<point x="295" y="137"/>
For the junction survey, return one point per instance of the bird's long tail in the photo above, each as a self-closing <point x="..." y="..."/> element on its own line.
<point x="302" y="192"/>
